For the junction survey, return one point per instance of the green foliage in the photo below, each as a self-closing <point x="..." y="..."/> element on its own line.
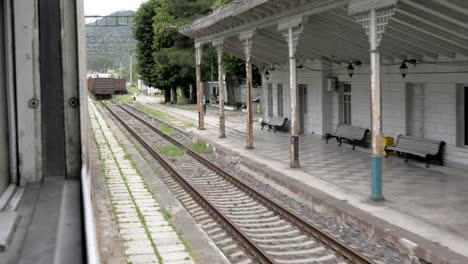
<point x="171" y="151"/>
<point x="219" y="3"/>
<point x="200" y="147"/>
<point x="166" y="58"/>
<point x="144" y="34"/>
<point x="168" y="130"/>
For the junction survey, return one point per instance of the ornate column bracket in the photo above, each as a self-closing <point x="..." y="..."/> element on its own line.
<point x="247" y="41"/>
<point x="296" y="25"/>
<point x="361" y="10"/>
<point x="198" y="52"/>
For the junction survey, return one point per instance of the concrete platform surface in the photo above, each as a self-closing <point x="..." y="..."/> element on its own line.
<point x="430" y="202"/>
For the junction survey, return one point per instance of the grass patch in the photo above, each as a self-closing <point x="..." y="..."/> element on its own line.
<point x="167" y="129"/>
<point x="123" y="99"/>
<point x="200" y="147"/>
<point x="164" y="117"/>
<point x="171" y="151"/>
<point x="154" y="112"/>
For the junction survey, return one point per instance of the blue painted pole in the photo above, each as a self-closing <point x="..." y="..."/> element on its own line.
<point x="376" y="193"/>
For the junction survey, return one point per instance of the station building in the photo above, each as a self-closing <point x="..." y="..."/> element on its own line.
<point x="395" y="67"/>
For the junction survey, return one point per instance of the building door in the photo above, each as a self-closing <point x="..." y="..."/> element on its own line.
<point x="279" y="94"/>
<point x="301" y="107"/>
<point x="270" y="99"/>
<point x="415" y="109"/>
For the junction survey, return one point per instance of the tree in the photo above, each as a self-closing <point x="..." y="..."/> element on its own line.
<point x="174" y="54"/>
<point x="219" y="3"/>
<point x="144" y="34"/>
<point x="166" y="58"/>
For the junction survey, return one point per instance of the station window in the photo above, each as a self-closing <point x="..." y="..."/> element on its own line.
<point x="347" y="104"/>
<point x="280" y="99"/>
<point x="462" y="116"/>
<point x="270" y="99"/>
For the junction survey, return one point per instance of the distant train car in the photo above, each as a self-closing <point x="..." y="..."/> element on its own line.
<point x="120" y="86"/>
<point x="101" y="88"/>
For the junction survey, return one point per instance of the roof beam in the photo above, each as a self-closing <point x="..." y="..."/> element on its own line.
<point x="438" y="25"/>
<point x="342" y="20"/>
<point x="345" y="53"/>
<point x="408" y="38"/>
<point x="348" y="35"/>
<point x="309" y="9"/>
<point x="404" y="26"/>
<point x="437" y="13"/>
<point x="460" y="7"/>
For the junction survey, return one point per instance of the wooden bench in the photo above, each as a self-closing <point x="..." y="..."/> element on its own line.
<point x="425" y="148"/>
<point x="354" y="135"/>
<point x="274" y="122"/>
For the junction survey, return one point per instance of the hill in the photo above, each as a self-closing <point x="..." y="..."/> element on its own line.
<point x="108" y="46"/>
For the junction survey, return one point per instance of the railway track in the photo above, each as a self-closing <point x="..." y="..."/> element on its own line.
<point x="250" y="227"/>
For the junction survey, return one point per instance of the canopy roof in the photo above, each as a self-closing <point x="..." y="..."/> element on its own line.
<point x="420" y="29"/>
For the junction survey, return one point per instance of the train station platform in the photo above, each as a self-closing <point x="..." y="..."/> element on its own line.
<point x="424" y="208"/>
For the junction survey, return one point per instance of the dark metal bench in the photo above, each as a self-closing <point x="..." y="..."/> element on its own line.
<point x="274" y="122"/>
<point x="354" y="135"/>
<point x="425" y="148"/>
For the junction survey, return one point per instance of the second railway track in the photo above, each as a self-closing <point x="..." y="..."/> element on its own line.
<point x="262" y="229"/>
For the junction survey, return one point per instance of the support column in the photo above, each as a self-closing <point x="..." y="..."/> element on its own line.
<point x="218" y="44"/>
<point x="373" y="19"/>
<point x="246" y="39"/>
<point x="292" y="28"/>
<point x="263" y="92"/>
<point x="198" y="57"/>
<point x="376" y="114"/>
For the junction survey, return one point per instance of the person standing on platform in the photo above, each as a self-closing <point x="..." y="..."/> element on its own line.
<point x="204" y="104"/>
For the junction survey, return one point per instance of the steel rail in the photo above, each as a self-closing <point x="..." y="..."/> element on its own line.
<point x="237" y="234"/>
<point x="307" y="227"/>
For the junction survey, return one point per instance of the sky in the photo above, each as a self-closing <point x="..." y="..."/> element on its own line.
<point x="105" y="7"/>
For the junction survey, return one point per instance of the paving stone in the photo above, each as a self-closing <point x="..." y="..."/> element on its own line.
<point x="139" y="230"/>
<point x="179" y="262"/>
<point x="137" y="243"/>
<point x="139" y="250"/>
<point x="172" y="256"/>
<point x="134" y="237"/>
<point x="160" y="229"/>
<point x="130" y="225"/>
<point x="129" y="220"/>
<point x="143" y="259"/>
<point x="164" y="235"/>
<point x="171" y="248"/>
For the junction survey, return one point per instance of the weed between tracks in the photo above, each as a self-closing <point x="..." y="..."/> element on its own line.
<point x="200" y="147"/>
<point x="171" y="151"/>
<point x="167" y="129"/>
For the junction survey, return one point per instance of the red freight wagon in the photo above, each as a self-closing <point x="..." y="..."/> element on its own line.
<point x="104" y="88"/>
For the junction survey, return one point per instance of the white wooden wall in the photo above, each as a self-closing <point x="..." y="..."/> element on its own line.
<point x="439" y="102"/>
